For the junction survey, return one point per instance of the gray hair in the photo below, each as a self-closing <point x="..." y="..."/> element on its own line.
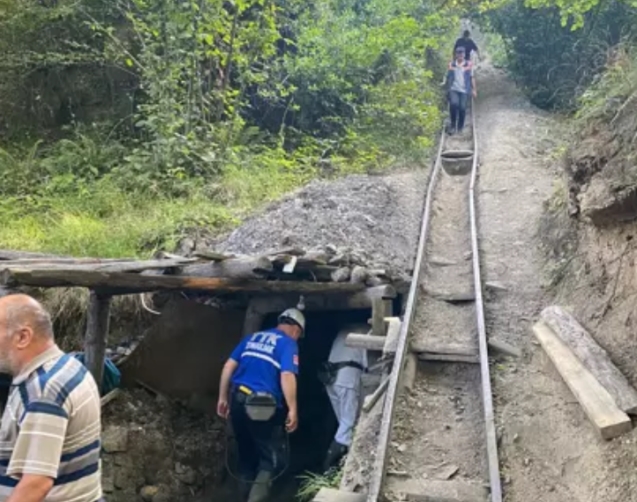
<point x="29" y="312"/>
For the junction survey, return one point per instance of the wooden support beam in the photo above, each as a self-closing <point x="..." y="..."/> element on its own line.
<point x="357" y="301"/>
<point x="126" y="283"/>
<point x="110" y="397"/>
<point x="254" y="319"/>
<point x="393" y="332"/>
<point x="244" y="267"/>
<point x="96" y="334"/>
<point x="437" y="491"/>
<point x="594" y="358"/>
<point x="368" y="342"/>
<point x="96" y="266"/>
<point x="378" y="317"/>
<point x="597" y="403"/>
<point x="449" y="358"/>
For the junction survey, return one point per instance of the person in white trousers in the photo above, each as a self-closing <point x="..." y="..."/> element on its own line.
<point x="345" y="368"/>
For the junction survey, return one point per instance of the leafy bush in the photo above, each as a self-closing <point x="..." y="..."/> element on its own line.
<point x="551" y="59"/>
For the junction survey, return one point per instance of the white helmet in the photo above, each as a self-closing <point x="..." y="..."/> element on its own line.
<point x="294" y="315"/>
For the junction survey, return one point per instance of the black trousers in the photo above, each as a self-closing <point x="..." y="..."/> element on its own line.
<point x="457" y="109"/>
<point x="262" y="446"/>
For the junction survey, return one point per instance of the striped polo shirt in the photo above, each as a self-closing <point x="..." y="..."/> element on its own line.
<point x="51" y="427"/>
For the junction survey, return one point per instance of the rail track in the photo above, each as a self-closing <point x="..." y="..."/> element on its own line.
<point x="438" y="441"/>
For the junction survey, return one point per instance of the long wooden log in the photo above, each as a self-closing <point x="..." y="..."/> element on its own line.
<point x="593" y="357"/>
<point x="597" y="403"/>
<point x="245" y="267"/>
<point x="125" y="283"/>
<point x="9" y="254"/>
<point x="96" y="334"/>
<point x="99" y="266"/>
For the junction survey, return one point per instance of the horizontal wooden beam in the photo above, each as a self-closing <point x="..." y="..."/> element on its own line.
<point x="95" y="266"/>
<point x="349" y="301"/>
<point x="368" y="342"/>
<point x="126" y="283"/>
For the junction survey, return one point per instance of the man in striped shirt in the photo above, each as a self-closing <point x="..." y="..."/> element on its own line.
<point x="50" y="431"/>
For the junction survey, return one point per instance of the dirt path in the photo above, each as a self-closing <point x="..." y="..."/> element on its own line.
<point x="549" y="452"/>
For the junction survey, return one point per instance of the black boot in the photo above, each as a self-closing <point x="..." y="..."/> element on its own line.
<point x="335" y="453"/>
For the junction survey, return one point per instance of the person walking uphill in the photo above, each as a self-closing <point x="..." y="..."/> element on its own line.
<point x="467" y="43"/>
<point x="460" y="86"/>
<point x="257" y="381"/>
<point x="50" y="432"/>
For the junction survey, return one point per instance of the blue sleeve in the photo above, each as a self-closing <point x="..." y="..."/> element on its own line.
<point x="238" y="350"/>
<point x="290" y="358"/>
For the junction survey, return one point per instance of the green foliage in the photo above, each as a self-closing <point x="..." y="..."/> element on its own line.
<point x="312" y="483"/>
<point x="148" y="120"/>
<point x="553" y="62"/>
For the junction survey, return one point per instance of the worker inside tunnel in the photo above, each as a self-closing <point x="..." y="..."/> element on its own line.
<point x="317" y="423"/>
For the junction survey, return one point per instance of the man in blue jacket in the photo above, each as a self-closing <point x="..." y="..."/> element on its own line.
<point x="460" y="85"/>
<point x="257" y="382"/>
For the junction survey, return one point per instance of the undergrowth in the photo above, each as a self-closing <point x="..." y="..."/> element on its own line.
<point x="312" y="483"/>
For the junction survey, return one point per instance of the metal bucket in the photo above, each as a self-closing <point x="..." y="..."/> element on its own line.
<point x="457" y="162"/>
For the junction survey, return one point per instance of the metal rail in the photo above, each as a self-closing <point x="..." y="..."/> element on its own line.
<point x="485" y="376"/>
<point x="378" y="471"/>
<point x="379" y="466"/>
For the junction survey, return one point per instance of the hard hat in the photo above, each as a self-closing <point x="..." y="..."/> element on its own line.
<point x="294" y="315"/>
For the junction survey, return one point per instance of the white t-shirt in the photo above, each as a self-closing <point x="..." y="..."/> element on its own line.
<point x="349" y="376"/>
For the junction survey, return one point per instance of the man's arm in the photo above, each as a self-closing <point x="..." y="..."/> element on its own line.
<point x="31" y="488"/>
<point x="224" y="387"/>
<point x="288" y="384"/>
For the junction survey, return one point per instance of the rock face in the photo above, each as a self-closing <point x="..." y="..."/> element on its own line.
<point x="602" y="205"/>
<point x="158" y="451"/>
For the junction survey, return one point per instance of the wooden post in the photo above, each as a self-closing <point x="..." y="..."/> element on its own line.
<point x="253" y="320"/>
<point x="96" y="333"/>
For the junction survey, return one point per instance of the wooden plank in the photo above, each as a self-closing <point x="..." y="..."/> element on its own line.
<point x="96" y="334"/>
<point x="437" y="347"/>
<point x="449" y="358"/>
<point x="437" y="491"/>
<point x="110" y="397"/>
<point x="393" y="331"/>
<point x="378" y="317"/>
<point x="453" y="297"/>
<point x="331" y="495"/>
<point x="597" y="403"/>
<point x="10" y="254"/>
<point x="594" y="358"/>
<point x="373" y="398"/>
<point x="125" y="283"/>
<point x="96" y="266"/>
<point x="213" y="255"/>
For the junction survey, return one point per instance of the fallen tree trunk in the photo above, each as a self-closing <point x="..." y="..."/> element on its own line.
<point x="245" y="267"/>
<point x="593" y="357"/>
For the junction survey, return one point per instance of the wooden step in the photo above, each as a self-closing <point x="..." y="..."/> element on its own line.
<point x="438" y="491"/>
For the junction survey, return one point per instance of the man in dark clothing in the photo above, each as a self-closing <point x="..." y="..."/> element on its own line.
<point x="257" y="382"/>
<point x="467" y="43"/>
<point x="460" y="87"/>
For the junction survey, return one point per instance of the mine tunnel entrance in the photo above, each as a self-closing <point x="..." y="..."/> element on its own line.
<point x="183" y="356"/>
<point x="317" y="423"/>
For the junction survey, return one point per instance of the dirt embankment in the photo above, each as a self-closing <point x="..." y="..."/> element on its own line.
<point x="592" y="259"/>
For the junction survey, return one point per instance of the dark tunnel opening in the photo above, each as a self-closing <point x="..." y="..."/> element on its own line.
<point x="317" y="423"/>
